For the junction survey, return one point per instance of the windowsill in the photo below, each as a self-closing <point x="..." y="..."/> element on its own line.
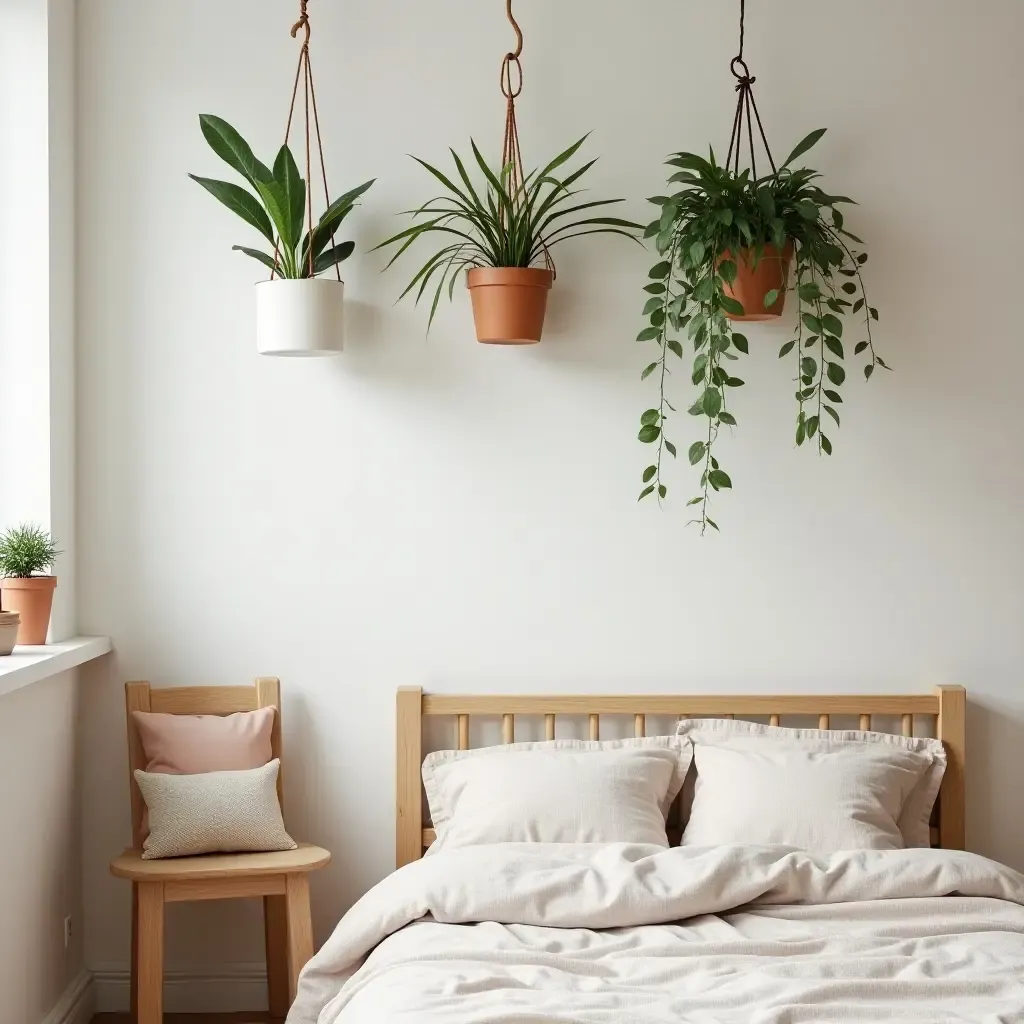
<point x="29" y="665"/>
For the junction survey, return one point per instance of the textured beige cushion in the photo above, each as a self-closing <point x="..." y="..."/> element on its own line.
<point x="215" y="812"/>
<point x="560" y="791"/>
<point x="819" y="791"/>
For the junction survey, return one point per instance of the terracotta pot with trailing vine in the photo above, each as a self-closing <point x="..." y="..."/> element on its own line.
<point x="509" y="303"/>
<point x="760" y="282"/>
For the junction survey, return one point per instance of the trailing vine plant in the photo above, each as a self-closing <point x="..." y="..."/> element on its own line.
<point x="716" y="217"/>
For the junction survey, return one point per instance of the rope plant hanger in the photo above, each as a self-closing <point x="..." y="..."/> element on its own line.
<point x="511" y="152"/>
<point x="297" y="313"/>
<point x="730" y="245"/>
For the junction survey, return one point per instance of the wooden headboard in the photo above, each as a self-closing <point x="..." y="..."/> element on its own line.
<point x="946" y="707"/>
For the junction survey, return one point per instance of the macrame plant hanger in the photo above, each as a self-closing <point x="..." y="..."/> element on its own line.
<point x="304" y="75"/>
<point x="746" y="110"/>
<point x="511" y="153"/>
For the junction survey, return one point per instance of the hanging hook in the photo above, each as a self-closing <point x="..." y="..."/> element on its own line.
<point x="519" y="32"/>
<point x="303" y="22"/>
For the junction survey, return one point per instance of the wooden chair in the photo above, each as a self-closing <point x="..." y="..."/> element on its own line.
<point x="282" y="879"/>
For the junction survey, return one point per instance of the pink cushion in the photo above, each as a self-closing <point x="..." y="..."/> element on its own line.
<point x="195" y="744"/>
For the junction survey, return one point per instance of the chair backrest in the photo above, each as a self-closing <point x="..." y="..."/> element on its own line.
<point x="194" y="700"/>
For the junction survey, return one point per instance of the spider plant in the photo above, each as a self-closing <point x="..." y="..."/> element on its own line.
<point x="500" y="221"/>
<point x="716" y="214"/>
<point x="277" y="205"/>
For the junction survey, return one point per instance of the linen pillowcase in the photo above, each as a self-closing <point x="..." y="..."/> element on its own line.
<point x="192" y="744"/>
<point x="818" y="791"/>
<point x="213" y="812"/>
<point x="558" y="791"/>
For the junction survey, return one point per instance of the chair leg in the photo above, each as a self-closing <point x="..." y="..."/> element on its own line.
<point x="300" y="930"/>
<point x="134" y="985"/>
<point x="275" y="929"/>
<point x="150" y="953"/>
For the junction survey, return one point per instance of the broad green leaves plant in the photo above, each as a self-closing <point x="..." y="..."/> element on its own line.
<point x="497" y="222"/>
<point x="26" y="550"/>
<point x="716" y="211"/>
<point x="275" y="205"/>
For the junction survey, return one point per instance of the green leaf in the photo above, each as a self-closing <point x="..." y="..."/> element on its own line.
<point x="832" y="413"/>
<point x="740" y="341"/>
<point x="287" y="176"/>
<point x="808" y="366"/>
<point x="727" y="271"/>
<point x="645" y="492"/>
<point x="849" y="287"/>
<point x="697" y="252"/>
<point x="727" y="417"/>
<point x="660" y="271"/>
<point x="771" y="297"/>
<point x="725" y="217"/>
<point x="674" y="347"/>
<point x="696" y="501"/>
<point x="655" y="289"/>
<point x="670" y="448"/>
<point x="734" y="382"/>
<point x="240" y="201"/>
<point x="807" y="210"/>
<point x="256" y="254"/>
<point x="786" y="349"/>
<point x="697" y="409"/>
<point x="812" y="426"/>
<point x="834" y="396"/>
<point x="868" y="370"/>
<point x="858" y="305"/>
<point x="826" y="445"/>
<point x="696" y="452"/>
<point x="836" y="373"/>
<point x="662" y="490"/>
<point x="804" y="145"/>
<point x="658" y="316"/>
<point x="648" y="334"/>
<point x="718" y="479"/>
<point x="712" y="523"/>
<point x="649" y="473"/>
<point x="809" y="292"/>
<point x="730" y="305"/>
<point x="330" y="258"/>
<point x="653" y="304"/>
<point x="712" y="402"/>
<point x="650" y="418"/>
<point x="232" y="148"/>
<point x="649" y="434"/>
<point x="834" y="345"/>
<point x="861" y="345"/>
<point x="800" y="433"/>
<point x="812" y="323"/>
<point x="648" y="370"/>
<point x="831" y="323"/>
<point x="874" y="313"/>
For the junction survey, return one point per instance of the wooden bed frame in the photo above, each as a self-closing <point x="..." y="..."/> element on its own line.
<point x="946" y="706"/>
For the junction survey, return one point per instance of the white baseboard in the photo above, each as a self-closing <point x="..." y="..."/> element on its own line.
<point x="77" y="1004"/>
<point x="219" y="989"/>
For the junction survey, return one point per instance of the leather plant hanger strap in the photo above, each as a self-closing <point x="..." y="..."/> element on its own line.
<point x="746" y="109"/>
<point x="304" y="73"/>
<point x="511" y="153"/>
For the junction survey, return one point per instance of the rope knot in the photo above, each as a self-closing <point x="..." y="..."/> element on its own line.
<point x="303" y="22"/>
<point x="745" y="82"/>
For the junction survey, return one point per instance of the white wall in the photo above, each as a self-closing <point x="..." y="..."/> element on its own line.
<point x="440" y="513"/>
<point x="41" y="880"/>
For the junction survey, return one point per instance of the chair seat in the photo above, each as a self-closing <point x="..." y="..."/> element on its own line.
<point x="214" y="866"/>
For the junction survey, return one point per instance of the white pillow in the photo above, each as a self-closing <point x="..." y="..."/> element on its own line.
<point x="559" y="791"/>
<point x="215" y="812"/>
<point x="817" y="790"/>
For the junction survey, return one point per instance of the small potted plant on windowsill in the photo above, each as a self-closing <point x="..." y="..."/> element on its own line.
<point x="502" y="231"/>
<point x="298" y="313"/>
<point x="25" y="552"/>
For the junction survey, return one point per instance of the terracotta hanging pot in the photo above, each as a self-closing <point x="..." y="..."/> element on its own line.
<point x="509" y="303"/>
<point x="755" y="279"/>
<point x="32" y="598"/>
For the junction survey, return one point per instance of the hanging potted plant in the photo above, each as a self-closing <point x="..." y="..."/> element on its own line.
<point x="731" y="244"/>
<point x="501" y="230"/>
<point x="26" y="551"/>
<point x="298" y="312"/>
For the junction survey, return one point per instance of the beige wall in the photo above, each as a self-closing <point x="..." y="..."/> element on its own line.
<point x="40" y="880"/>
<point x="464" y="518"/>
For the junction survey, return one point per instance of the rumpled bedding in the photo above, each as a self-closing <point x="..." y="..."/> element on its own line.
<point x="626" y="934"/>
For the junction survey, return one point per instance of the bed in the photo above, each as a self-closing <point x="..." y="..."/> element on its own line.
<point x="620" y="931"/>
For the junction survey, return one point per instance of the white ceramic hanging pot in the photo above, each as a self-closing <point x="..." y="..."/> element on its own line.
<point x="300" y="317"/>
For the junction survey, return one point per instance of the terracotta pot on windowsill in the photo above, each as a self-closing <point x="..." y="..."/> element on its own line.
<point x="755" y="280"/>
<point x="509" y="303"/>
<point x="32" y="598"/>
<point x="9" y="622"/>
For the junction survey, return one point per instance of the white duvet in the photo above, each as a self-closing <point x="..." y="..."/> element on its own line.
<point x="620" y="934"/>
